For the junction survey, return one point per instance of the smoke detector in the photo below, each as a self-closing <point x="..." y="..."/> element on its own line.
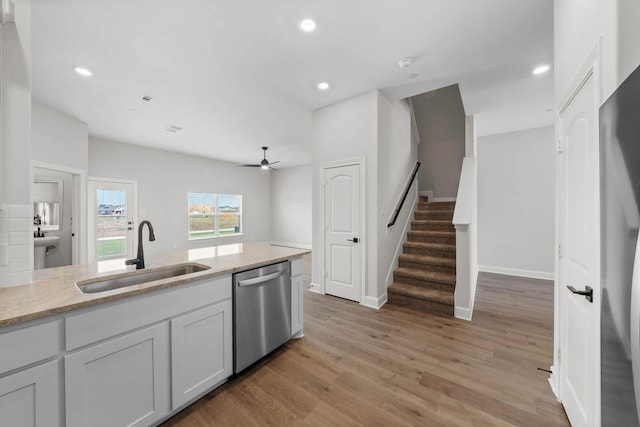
<point x="405" y="62"/>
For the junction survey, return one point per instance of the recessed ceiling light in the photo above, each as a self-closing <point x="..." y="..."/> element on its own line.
<point x="541" y="69"/>
<point x="308" y="25"/>
<point x="413" y="76"/>
<point x="83" y="71"/>
<point x="323" y="86"/>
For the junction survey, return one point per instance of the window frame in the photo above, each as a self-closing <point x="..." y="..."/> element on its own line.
<point x="216" y="217"/>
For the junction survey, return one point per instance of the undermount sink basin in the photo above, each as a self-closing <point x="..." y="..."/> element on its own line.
<point x="109" y="283"/>
<point x="45" y="241"/>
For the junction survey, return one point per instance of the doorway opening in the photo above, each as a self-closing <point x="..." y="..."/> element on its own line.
<point x="58" y="199"/>
<point x="112" y="218"/>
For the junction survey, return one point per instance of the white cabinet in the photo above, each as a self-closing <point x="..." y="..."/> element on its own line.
<point x="123" y="381"/>
<point x="134" y="361"/>
<point x="297" y="296"/>
<point x="28" y="391"/>
<point x="30" y="397"/>
<point x="201" y="351"/>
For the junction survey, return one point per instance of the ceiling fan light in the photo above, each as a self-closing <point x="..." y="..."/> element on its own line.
<point x="264" y="167"/>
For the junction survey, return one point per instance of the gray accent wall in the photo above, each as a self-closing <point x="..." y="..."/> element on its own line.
<point x="440" y="119"/>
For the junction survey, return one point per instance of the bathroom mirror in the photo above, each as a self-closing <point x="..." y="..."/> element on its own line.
<point x="46" y="215"/>
<point x="47" y="205"/>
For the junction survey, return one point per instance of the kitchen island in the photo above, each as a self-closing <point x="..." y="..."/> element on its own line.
<point x="128" y="356"/>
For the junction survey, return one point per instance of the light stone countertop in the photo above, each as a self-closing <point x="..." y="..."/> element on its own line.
<point x="54" y="289"/>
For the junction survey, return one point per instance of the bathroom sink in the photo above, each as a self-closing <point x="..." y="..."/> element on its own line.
<point x="45" y="241"/>
<point x="109" y="283"/>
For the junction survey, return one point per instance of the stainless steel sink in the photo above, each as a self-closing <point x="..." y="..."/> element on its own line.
<point x="109" y="283"/>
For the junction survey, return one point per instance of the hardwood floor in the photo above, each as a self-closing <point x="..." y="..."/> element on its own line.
<point x="395" y="366"/>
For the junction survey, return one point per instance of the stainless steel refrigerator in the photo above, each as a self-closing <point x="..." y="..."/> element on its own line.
<point x="620" y="255"/>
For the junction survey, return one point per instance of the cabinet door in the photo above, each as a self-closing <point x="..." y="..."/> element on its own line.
<point x="30" y="397"/>
<point x="201" y="351"/>
<point x="297" y="312"/>
<point x="120" y="382"/>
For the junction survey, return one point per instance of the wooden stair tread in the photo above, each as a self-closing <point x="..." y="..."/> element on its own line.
<point x="442" y="246"/>
<point x="417" y="292"/>
<point x="449" y="279"/>
<point x="431" y="222"/>
<point x="429" y="233"/>
<point x="429" y="260"/>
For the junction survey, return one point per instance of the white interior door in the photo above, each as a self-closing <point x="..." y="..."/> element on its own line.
<point x="112" y="207"/>
<point x="342" y="237"/>
<point x="579" y="237"/>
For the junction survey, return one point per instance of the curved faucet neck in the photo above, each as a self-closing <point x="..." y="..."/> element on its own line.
<point x="152" y="237"/>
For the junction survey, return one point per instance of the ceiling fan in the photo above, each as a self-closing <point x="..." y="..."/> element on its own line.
<point x="264" y="164"/>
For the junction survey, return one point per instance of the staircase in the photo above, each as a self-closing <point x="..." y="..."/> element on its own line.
<point x="426" y="275"/>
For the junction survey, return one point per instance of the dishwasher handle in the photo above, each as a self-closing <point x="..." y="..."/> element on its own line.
<point x="261" y="279"/>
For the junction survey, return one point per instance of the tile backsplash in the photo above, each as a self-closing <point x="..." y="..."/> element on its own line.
<point x="16" y="250"/>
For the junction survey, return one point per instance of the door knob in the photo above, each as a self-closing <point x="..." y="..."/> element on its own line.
<point x="354" y="240"/>
<point x="588" y="292"/>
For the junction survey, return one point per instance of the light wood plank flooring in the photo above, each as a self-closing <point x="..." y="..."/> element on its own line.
<point x="395" y="366"/>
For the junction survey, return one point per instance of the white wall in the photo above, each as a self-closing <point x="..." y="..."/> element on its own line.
<point x="580" y="25"/>
<point x="342" y="131"/>
<point x="291" y="206"/>
<point x="516" y="202"/>
<point x="164" y="179"/>
<point x="16" y="213"/>
<point x="58" y="138"/>
<point x="370" y="127"/>
<point x="397" y="156"/>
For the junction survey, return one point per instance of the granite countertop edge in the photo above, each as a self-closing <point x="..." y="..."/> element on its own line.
<point x="54" y="290"/>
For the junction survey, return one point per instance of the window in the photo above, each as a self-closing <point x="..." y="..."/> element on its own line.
<point x="214" y="215"/>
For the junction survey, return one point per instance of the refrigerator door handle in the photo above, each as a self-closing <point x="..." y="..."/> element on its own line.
<point x="635" y="325"/>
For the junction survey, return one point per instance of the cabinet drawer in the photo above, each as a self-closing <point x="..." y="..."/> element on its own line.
<point x="131" y="313"/>
<point x="25" y="346"/>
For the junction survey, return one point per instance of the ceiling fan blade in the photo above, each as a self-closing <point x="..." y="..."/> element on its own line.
<point x="250" y="166"/>
<point x="273" y="163"/>
<point x="273" y="167"/>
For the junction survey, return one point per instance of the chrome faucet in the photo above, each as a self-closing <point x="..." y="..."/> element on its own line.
<point x="139" y="261"/>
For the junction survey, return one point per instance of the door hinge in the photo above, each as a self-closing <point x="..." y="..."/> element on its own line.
<point x="560" y="146"/>
<point x="559" y="251"/>
<point x="558" y="355"/>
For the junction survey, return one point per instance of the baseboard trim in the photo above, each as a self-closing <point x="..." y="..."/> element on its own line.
<point x="375" y="302"/>
<point x="463" y="313"/>
<point x="291" y="245"/>
<point x="553" y="383"/>
<point x="516" y="272"/>
<point x="314" y="287"/>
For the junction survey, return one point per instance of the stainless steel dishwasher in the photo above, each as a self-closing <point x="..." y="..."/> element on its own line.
<point x="261" y="312"/>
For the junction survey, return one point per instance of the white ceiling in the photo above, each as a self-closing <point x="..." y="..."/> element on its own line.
<point x="238" y="74"/>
